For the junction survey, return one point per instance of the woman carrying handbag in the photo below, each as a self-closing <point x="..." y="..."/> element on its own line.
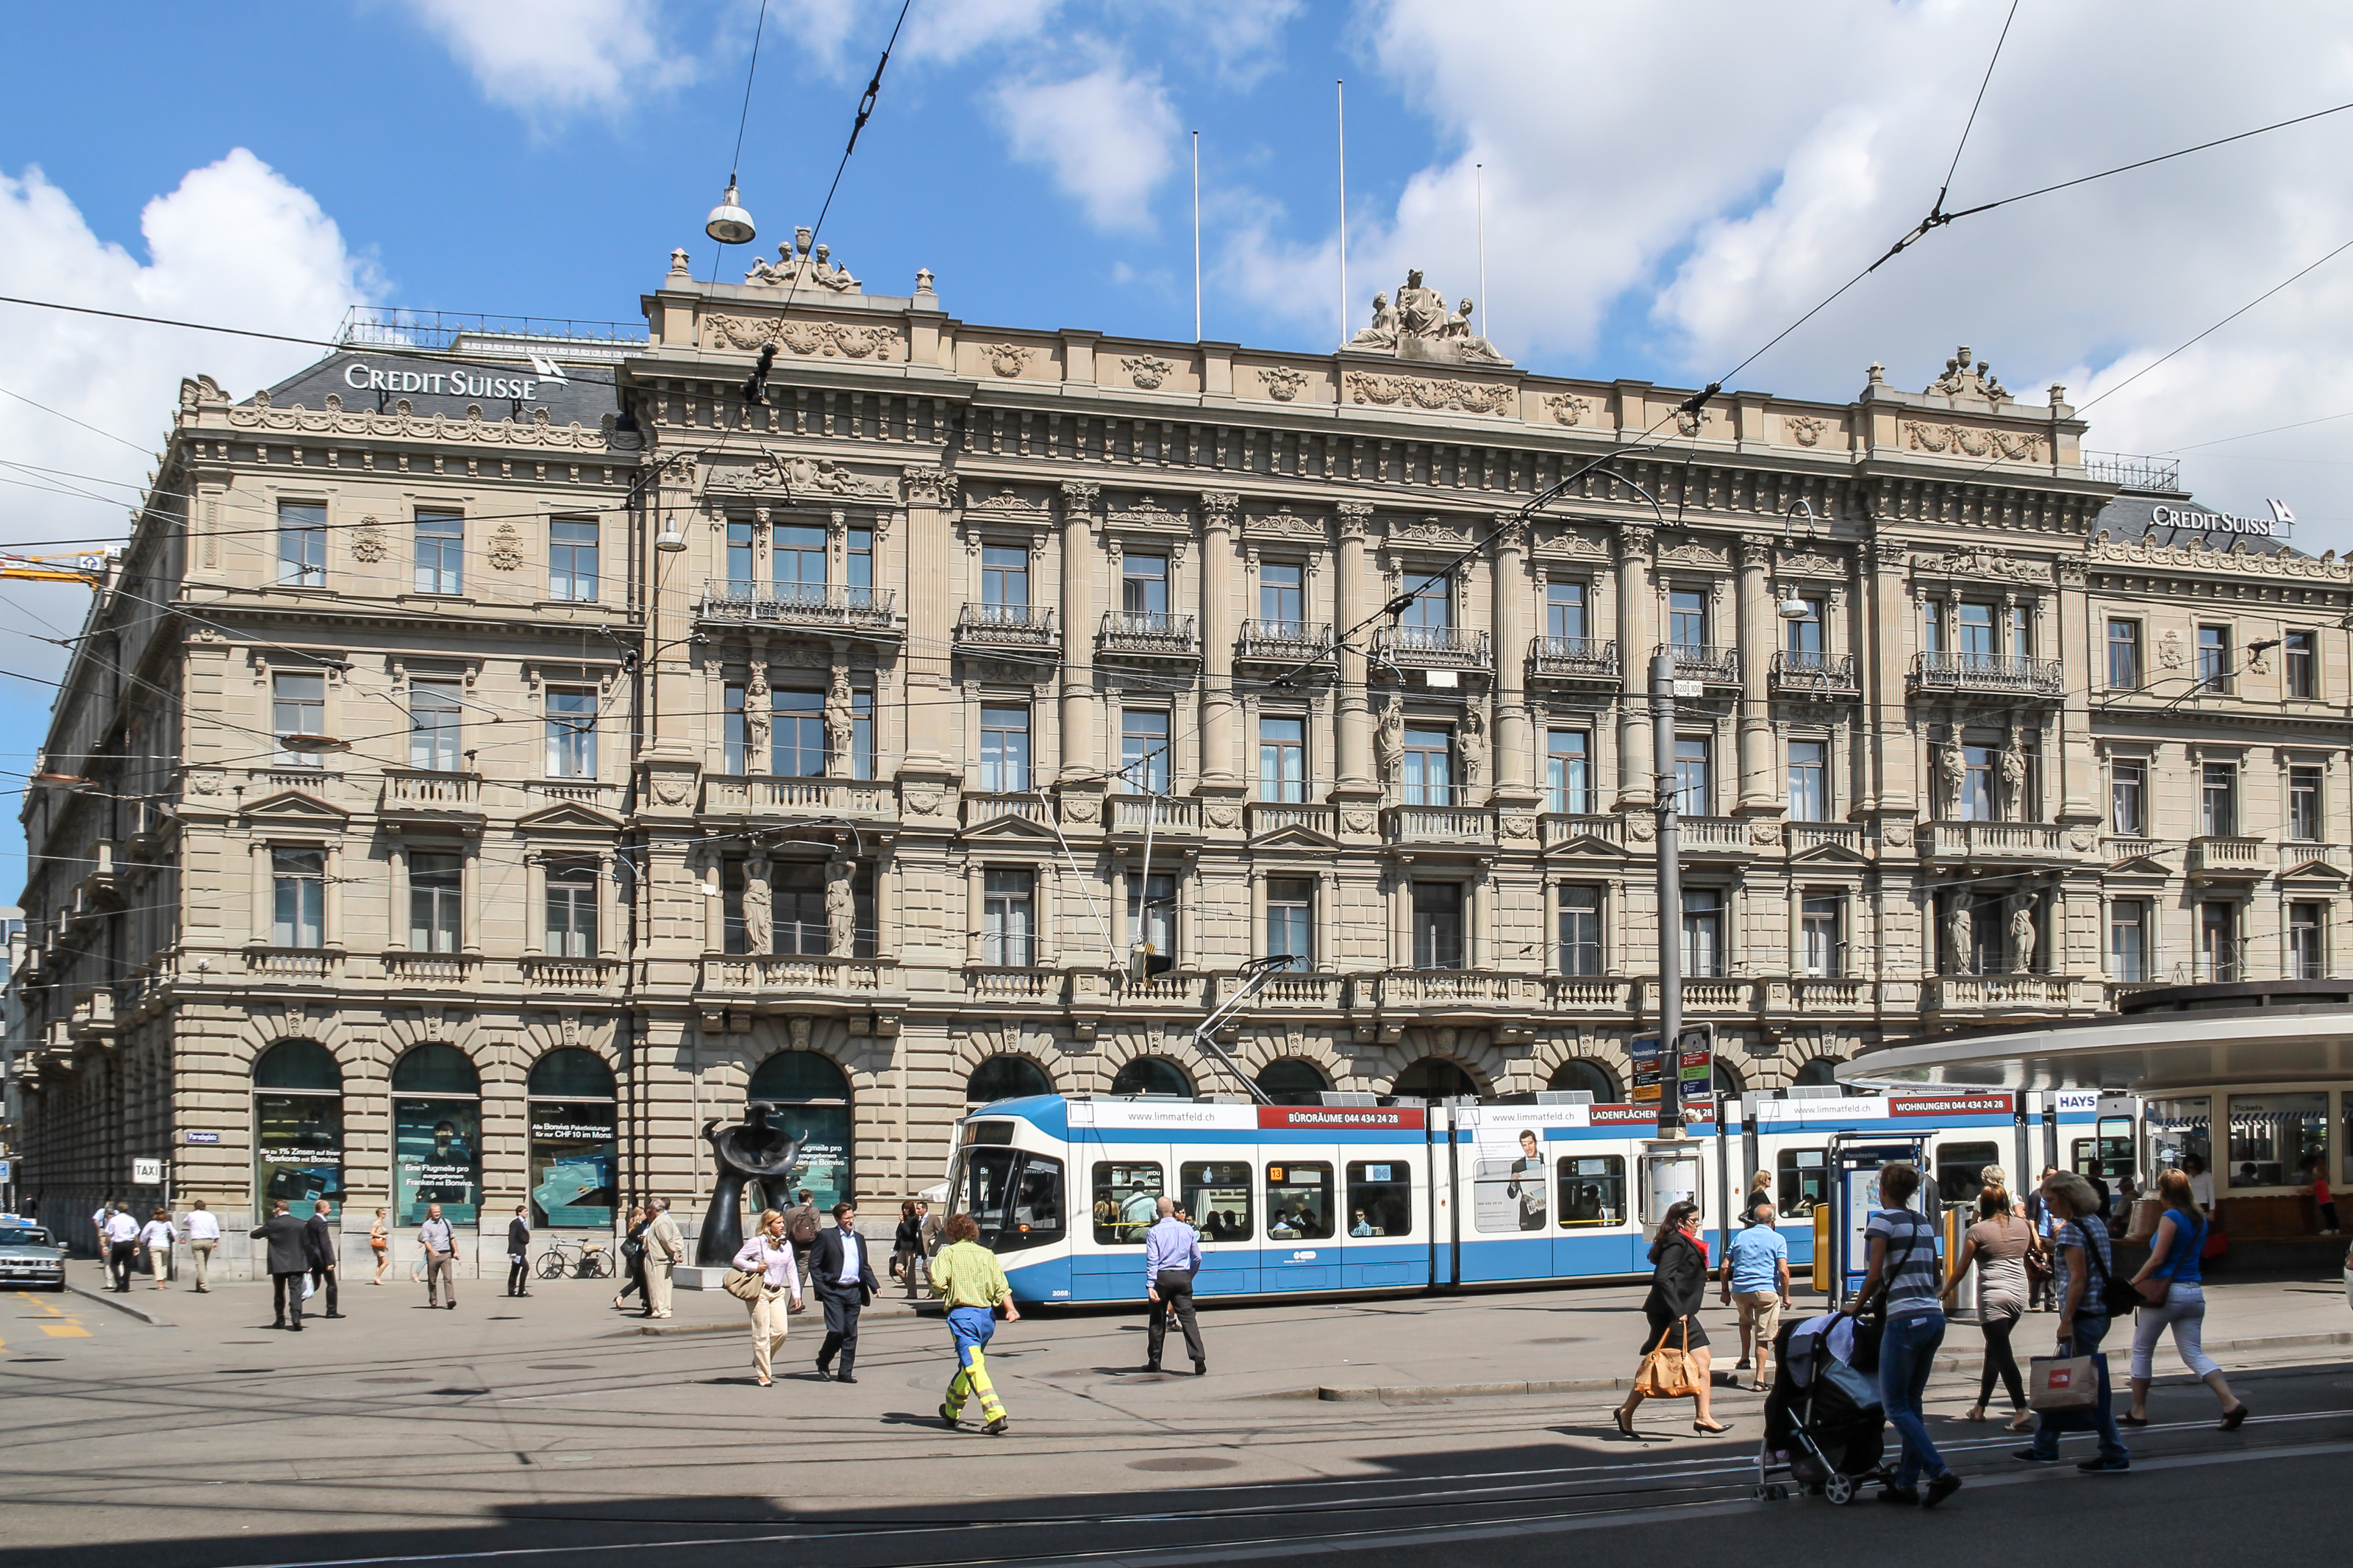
<point x="764" y="1276"/>
<point x="1901" y="1284"/>
<point x="1675" y="1362"/>
<point x="2174" y="1297"/>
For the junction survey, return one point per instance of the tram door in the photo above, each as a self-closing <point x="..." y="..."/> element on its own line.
<point x="1305" y="1228"/>
<point x="1219" y="1187"/>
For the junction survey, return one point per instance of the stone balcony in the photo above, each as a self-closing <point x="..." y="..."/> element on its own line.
<point x="1722" y="837"/>
<point x="1260" y="818"/>
<point x="430" y="969"/>
<point x="2015" y="842"/>
<point x="1015" y="984"/>
<point x="293" y="963"/>
<point x="980" y="806"/>
<point x="1799" y="674"/>
<point x="815" y="606"/>
<point x="422" y="794"/>
<point x="1283" y="642"/>
<point x="1805" y="838"/>
<point x="1433" y="647"/>
<point x="1998" y="994"/>
<point x="1575" y="662"/>
<point x="2230" y="859"/>
<point x="1559" y="827"/>
<point x="93" y="1020"/>
<point x="1712" y="665"/>
<point x="1148" y="637"/>
<point x="575" y="976"/>
<point x="1991" y="674"/>
<point x="991" y="627"/>
<point x="1159" y="814"/>
<point x="1462" y="826"/>
<point x="2299" y="855"/>
<point x="734" y="795"/>
<point x="787" y="978"/>
<point x="1451" y="988"/>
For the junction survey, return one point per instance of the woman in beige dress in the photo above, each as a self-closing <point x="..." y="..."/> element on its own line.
<point x="1996" y="1247"/>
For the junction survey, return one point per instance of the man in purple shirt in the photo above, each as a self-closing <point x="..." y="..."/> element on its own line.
<point x="1172" y="1255"/>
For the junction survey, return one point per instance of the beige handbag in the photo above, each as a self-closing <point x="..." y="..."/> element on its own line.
<point x="743" y="1285"/>
<point x="1670" y="1374"/>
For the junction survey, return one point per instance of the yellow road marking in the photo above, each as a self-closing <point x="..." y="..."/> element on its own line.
<point x="64" y="1331"/>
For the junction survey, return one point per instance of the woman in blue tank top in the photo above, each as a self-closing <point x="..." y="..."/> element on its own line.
<point x="2173" y="1257"/>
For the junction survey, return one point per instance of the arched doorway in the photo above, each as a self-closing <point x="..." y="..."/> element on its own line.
<point x="1006" y="1077"/>
<point x="1293" y="1080"/>
<point x="571" y="1115"/>
<point x="1153" y="1075"/>
<point x="1435" y="1077"/>
<point x="813" y="1103"/>
<point x="1820" y="1073"/>
<point x="298" y="1125"/>
<point x="1583" y="1073"/>
<point x="437" y="1135"/>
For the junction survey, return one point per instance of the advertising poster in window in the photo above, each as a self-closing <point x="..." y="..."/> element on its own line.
<point x="1507" y="1190"/>
<point x="823" y="1167"/>
<point x="571" y="1149"/>
<point x="298" y="1142"/>
<point x="437" y="1159"/>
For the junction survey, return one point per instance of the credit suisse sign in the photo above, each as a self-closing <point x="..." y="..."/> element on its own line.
<point x="360" y="376"/>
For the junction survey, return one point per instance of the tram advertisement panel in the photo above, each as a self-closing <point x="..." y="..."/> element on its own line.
<point x="1507" y="1181"/>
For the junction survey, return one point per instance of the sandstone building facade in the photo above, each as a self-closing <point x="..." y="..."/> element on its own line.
<point x="475" y="781"/>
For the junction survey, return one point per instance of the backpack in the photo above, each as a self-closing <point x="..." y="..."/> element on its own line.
<point x="801" y="1226"/>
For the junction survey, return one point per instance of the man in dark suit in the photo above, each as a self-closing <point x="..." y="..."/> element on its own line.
<point x="320" y="1245"/>
<point x="518" y="1254"/>
<point x="845" y="1282"/>
<point x="290" y="1260"/>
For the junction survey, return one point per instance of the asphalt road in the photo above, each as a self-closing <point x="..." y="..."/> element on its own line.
<point x="515" y="1432"/>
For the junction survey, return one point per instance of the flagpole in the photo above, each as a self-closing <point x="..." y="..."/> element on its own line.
<point x="1341" y="92"/>
<point x="1197" y="237"/>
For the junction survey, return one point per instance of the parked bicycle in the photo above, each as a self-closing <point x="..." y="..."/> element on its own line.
<point x="576" y="1261"/>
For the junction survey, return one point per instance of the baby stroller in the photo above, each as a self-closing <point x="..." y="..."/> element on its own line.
<point x="1823" y="1423"/>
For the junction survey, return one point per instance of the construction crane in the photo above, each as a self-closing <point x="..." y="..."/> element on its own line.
<point x="88" y="568"/>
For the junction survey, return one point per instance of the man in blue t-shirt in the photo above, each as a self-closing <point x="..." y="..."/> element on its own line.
<point x="1756" y="1275"/>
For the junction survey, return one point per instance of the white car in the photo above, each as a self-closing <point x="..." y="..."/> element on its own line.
<point x="28" y="1257"/>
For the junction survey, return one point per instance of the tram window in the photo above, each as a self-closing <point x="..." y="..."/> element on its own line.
<point x="1958" y="1170"/>
<point x="1217" y="1193"/>
<point x="1299" y="1200"/>
<point x="982" y="1182"/>
<point x="1127" y="1201"/>
<point x="1507" y="1191"/>
<point x="1803" y="1181"/>
<point x="2085" y="1158"/>
<point x="991" y="1132"/>
<point x="1592" y="1191"/>
<point x="1037" y="1217"/>
<point x="1380" y="1198"/>
<point x="2116" y="1146"/>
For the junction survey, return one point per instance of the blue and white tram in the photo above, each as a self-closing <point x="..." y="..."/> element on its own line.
<point x="1296" y="1200"/>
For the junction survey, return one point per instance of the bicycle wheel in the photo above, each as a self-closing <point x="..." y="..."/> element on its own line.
<point x="602" y="1264"/>
<point x="551" y="1265"/>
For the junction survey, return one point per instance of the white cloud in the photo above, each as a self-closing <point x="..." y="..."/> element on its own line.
<point x="558" y="56"/>
<point x="1108" y="137"/>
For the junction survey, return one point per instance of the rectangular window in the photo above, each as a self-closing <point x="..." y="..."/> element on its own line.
<point x="1299" y="1200"/>
<point x="2218" y="802"/>
<point x="1703" y="932"/>
<point x="2022" y="632"/>
<point x="2307" y="942"/>
<point x="2304" y="818"/>
<point x="1821" y="939"/>
<point x="861" y="733"/>
<point x="796" y="919"/>
<point x="1290" y="920"/>
<point x="1801" y="1182"/>
<point x="1976" y="784"/>
<point x="1961" y="1170"/>
<point x="1569" y="772"/>
<point x="1429" y="766"/>
<point x="1217" y="1193"/>
<point x="1803" y="635"/>
<point x="434" y="880"/>
<point x="1143" y="584"/>
<point x="1282" y="759"/>
<point x="1438" y="925"/>
<point x="440" y="552"/>
<point x="571" y="734"/>
<point x="1127" y="1201"/>
<point x="2278" y="1140"/>
<point x="2128" y="941"/>
<point x="1687" y="620"/>
<point x="2124" y="655"/>
<point x="2218" y="940"/>
<point x="1282" y="593"/>
<point x="1004" y="575"/>
<point x="1143" y="751"/>
<point x="1008" y="900"/>
<point x="1380" y="1198"/>
<point x="434" y="733"/>
<point x="739" y="559"/>
<point x="737" y="734"/>
<point x="1005" y="750"/>
<point x="302" y="545"/>
<point x="733" y="880"/>
<point x="1692" y="796"/>
<point x="298" y="885"/>
<point x="858" y="567"/>
<point x="1809" y="788"/>
<point x="796" y="732"/>
<point x="572" y="560"/>
<point x="298" y="711"/>
<point x="1432" y="607"/>
<point x="2214" y="667"/>
<point x="2300" y="659"/>
<point x="797" y="563"/>
<point x="1565" y="611"/>
<point x="2127" y="795"/>
<point x="1580" y="929"/>
<point x="1976" y="628"/>
<point x="1592" y="1190"/>
<point x="1152" y="917"/>
<point x="1932" y="629"/>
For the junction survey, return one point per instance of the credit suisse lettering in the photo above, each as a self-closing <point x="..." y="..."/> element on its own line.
<point x="358" y="376"/>
<point x="2211" y="521"/>
<point x="1335" y="1116"/>
<point x="1951" y="1105"/>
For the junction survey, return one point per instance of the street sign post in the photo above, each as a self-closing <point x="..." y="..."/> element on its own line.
<point x="1694" y="1068"/>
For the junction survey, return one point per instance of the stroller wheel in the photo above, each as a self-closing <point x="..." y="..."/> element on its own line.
<point x="1839" y="1489"/>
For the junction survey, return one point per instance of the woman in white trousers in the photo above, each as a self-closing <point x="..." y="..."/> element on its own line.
<point x="770" y="1255"/>
<point x="2173" y="1257"/>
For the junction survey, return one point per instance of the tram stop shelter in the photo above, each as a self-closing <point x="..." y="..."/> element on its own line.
<point x="2255" y="1080"/>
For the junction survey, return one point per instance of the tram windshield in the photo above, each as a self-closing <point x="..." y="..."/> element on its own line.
<point x="1013" y="1195"/>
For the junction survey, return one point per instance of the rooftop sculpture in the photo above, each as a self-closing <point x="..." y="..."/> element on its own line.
<point x="1420" y="327"/>
<point x="796" y="263"/>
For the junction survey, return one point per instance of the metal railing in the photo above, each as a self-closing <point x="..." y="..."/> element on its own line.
<point x="1573" y="658"/>
<point x="2129" y="472"/>
<point x="1284" y="640"/>
<point x="1154" y="632"/>
<point x="1019" y="625"/>
<point x="805" y="604"/>
<point x="393" y="326"/>
<point x="1693" y="661"/>
<point x="1796" y="669"/>
<point x="1433" y="645"/>
<point x="2018" y="673"/>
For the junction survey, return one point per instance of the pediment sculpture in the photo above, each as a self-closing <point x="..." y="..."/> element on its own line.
<point x="1421" y="327"/>
<point x="1963" y="378"/>
<point x="796" y="263"/>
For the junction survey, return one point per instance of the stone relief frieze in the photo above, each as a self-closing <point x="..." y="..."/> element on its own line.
<point x="822" y="340"/>
<point x="539" y="430"/>
<point x="1566" y="544"/>
<point x="1804" y="428"/>
<point x="1809" y="564"/>
<point x="1970" y="441"/>
<point x="1008" y="503"/>
<point x="1692" y="553"/>
<point x="1430" y="531"/>
<point x="1565" y="407"/>
<point x="1284" y="523"/>
<point x="1147" y="372"/>
<point x="2195" y="556"/>
<point x="1145" y="512"/>
<point x="1007" y="358"/>
<point x="1418" y="392"/>
<point x="1282" y="381"/>
<point x="801" y="474"/>
<point x="1976" y="561"/>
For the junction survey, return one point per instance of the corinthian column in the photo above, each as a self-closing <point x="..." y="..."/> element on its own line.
<point x="1513" y="748"/>
<point x="1356" y="713"/>
<point x="1754" y="617"/>
<point x="1082" y="759"/>
<point x="1637" y="615"/>
<point x="1217" y="638"/>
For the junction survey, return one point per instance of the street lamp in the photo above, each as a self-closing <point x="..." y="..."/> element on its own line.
<point x="729" y="224"/>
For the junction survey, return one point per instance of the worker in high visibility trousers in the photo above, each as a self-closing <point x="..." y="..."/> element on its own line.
<point x="967" y="1277"/>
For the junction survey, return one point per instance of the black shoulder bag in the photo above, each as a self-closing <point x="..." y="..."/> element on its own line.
<point x="1871" y="1319"/>
<point x="2120" y="1297"/>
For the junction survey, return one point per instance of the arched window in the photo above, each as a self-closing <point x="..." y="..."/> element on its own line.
<point x="1727" y="1082"/>
<point x="1006" y="1077"/>
<point x="1820" y="1072"/>
<point x="1578" y="1072"/>
<point x="1435" y="1077"/>
<point x="572" y="1147"/>
<point x="1153" y="1075"/>
<point x="437" y="1135"/>
<point x="1292" y="1080"/>
<point x="298" y="1125"/>
<point x="813" y="1103"/>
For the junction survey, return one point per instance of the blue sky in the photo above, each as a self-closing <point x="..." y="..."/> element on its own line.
<point x="1664" y="188"/>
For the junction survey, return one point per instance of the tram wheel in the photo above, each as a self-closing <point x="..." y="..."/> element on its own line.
<point x="1839" y="1489"/>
